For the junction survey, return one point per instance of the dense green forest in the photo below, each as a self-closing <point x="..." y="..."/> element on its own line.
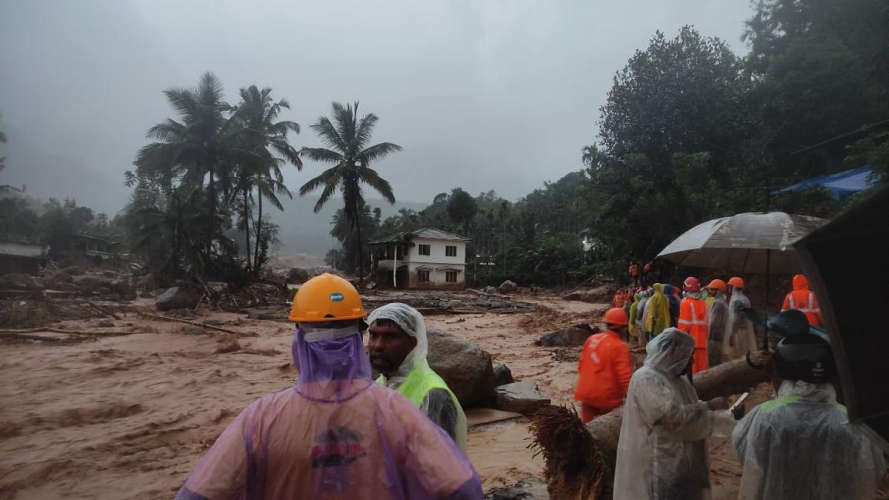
<point x="689" y="131"/>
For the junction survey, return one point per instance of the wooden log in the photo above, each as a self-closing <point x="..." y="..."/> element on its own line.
<point x="590" y="475"/>
<point x="192" y="323"/>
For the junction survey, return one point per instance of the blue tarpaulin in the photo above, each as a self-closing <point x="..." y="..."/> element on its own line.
<point x="840" y="184"/>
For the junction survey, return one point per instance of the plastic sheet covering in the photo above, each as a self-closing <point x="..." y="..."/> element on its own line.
<point x="335" y="434"/>
<point x="662" y="452"/>
<point x="717" y="317"/>
<point x="739" y="335"/>
<point x="443" y="411"/>
<point x="801" y="445"/>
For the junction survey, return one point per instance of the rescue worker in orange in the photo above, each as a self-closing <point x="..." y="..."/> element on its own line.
<point x="803" y="299"/>
<point x="693" y="321"/>
<point x="604" y="369"/>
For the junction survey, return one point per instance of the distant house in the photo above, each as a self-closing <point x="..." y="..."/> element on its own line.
<point x="94" y="248"/>
<point x="426" y="258"/>
<point x="17" y="257"/>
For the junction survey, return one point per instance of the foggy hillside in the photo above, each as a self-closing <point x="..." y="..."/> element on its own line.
<point x="303" y="231"/>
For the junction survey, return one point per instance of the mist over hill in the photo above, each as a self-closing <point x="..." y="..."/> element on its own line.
<point x="304" y="231"/>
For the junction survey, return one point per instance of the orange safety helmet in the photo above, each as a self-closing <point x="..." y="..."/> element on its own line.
<point x="615" y="316"/>
<point x="717" y="284"/>
<point x="691" y="284"/>
<point x="736" y="282"/>
<point x="326" y="298"/>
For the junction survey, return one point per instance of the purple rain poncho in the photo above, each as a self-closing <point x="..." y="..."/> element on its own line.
<point x="334" y="434"/>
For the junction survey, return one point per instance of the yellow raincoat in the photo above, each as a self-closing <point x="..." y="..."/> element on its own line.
<point x="657" y="311"/>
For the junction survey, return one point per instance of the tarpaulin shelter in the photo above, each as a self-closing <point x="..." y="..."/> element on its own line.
<point x="847" y="261"/>
<point x="840" y="184"/>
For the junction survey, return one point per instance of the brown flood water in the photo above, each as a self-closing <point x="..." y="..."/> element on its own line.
<point x="127" y="417"/>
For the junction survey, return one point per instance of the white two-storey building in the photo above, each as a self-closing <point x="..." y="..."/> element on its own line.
<point x="426" y="258"/>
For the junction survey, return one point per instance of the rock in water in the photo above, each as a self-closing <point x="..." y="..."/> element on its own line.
<point x="502" y="375"/>
<point x="508" y="286"/>
<point x="520" y="397"/>
<point x="464" y="366"/>
<point x="178" y="297"/>
<point x="571" y="336"/>
<point x="490" y="289"/>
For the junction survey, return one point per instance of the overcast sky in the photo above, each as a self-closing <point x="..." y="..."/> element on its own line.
<point x="481" y="94"/>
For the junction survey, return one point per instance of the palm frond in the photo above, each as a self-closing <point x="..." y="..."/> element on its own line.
<point x="329" y="189"/>
<point x="329" y="134"/>
<point x="365" y="129"/>
<point x="377" y="152"/>
<point x="373" y="179"/>
<point x="322" y="154"/>
<point x="330" y="177"/>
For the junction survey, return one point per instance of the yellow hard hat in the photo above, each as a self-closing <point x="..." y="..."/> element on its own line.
<point x="326" y="298"/>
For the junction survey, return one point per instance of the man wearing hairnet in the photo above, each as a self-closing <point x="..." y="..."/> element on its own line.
<point x="662" y="451"/>
<point x="801" y="444"/>
<point x="335" y="433"/>
<point x="397" y="346"/>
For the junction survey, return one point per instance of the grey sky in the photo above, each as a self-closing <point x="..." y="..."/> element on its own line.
<point x="482" y="94"/>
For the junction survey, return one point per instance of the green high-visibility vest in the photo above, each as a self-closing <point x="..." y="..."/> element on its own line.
<point x="419" y="381"/>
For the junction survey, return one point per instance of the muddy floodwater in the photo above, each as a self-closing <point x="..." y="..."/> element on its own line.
<point x="128" y="416"/>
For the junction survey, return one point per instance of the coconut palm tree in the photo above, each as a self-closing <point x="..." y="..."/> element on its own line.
<point x="203" y="144"/>
<point x="267" y="139"/>
<point x="347" y="149"/>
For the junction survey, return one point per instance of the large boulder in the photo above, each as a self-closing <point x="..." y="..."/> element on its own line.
<point x="21" y="281"/>
<point x="502" y="375"/>
<point x="178" y="297"/>
<point x="599" y="295"/>
<point x="520" y="397"/>
<point x="571" y="336"/>
<point x="464" y="366"/>
<point x="508" y="286"/>
<point x="297" y="275"/>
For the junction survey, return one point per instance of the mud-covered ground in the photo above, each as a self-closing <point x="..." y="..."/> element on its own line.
<point x="128" y="416"/>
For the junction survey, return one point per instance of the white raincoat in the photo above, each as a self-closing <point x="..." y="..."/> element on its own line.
<point x="801" y="445"/>
<point x="739" y="337"/>
<point x="662" y="452"/>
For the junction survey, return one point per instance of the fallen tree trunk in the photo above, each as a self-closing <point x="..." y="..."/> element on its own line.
<point x="193" y="323"/>
<point x="580" y="458"/>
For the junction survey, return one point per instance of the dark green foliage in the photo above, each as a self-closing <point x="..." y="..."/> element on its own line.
<point x="212" y="165"/>
<point x="346" y="139"/>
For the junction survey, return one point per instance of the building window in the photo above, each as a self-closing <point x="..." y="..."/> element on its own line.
<point x="451" y="276"/>
<point x="423" y="276"/>
<point x="424" y="250"/>
<point x="450" y="251"/>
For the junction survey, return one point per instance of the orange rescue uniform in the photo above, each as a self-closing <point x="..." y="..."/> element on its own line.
<point x="604" y="372"/>
<point x="693" y="321"/>
<point x="803" y="299"/>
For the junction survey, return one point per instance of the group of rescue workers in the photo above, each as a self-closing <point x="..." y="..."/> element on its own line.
<point x="337" y="433"/>
<point x="798" y="445"/>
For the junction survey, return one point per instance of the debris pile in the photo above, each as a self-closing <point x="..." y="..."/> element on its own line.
<point x="445" y="302"/>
